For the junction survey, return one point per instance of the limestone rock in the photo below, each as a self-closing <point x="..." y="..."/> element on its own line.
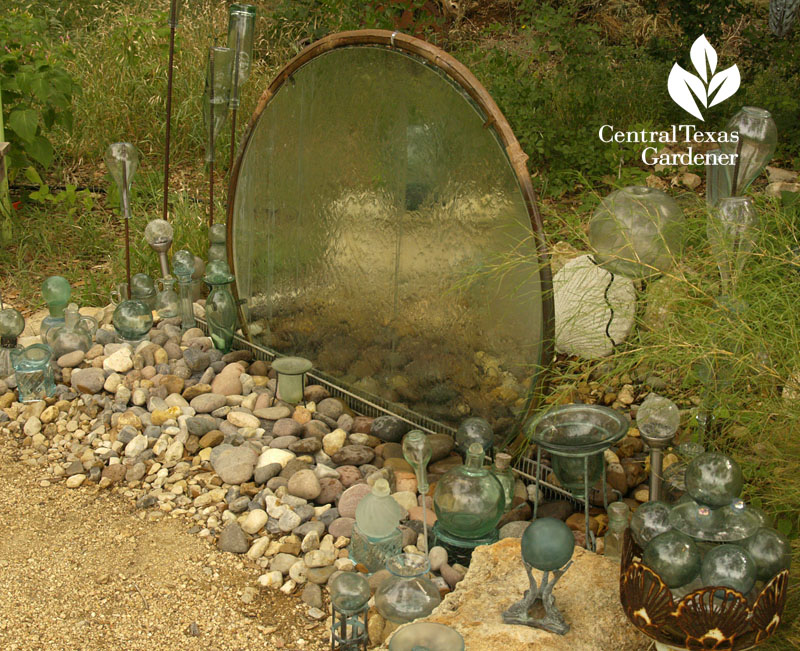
<point x="587" y="301"/>
<point x="234" y="465"/>
<point x="587" y="595"/>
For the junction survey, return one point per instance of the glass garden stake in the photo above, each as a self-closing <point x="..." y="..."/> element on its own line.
<point x="122" y="161"/>
<point x="241" y="26"/>
<point x="215" y="108"/>
<point x="174" y="10"/>
<point x="417" y="451"/>
<point x="158" y="234"/>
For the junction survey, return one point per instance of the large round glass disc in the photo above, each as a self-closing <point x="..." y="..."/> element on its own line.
<point x="380" y="229"/>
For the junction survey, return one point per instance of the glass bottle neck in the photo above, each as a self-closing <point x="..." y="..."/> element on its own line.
<point x="57" y="309"/>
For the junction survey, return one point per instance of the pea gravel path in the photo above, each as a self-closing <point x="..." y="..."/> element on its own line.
<point x="82" y="570"/>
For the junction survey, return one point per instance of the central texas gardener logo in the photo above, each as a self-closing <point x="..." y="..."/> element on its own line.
<point x="708" y="88"/>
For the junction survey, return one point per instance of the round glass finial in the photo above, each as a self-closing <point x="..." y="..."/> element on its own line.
<point x="56" y="290"/>
<point x="474" y="430"/>
<point x="729" y="566"/>
<point x="650" y="520"/>
<point x="292" y="365"/>
<point x="714" y="479"/>
<point x="158" y="232"/>
<point x="674" y="556"/>
<point x="183" y="265"/>
<point x="218" y="272"/>
<point x="658" y="419"/>
<point x="12" y="323"/>
<point x="547" y="544"/>
<point x="217" y="234"/>
<point x="349" y="592"/>
<point x="770" y="551"/>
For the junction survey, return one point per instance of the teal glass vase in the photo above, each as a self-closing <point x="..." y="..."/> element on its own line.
<point x="220" y="305"/>
<point x="33" y="372"/>
<point x="56" y="292"/>
<point x="469" y="500"/>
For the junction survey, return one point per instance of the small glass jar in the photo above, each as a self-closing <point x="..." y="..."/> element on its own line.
<point x="407" y="594"/>
<point x="469" y="500"/>
<point x="167" y="302"/>
<point x="220" y="305"/>
<point x="503" y="473"/>
<point x="618" y="513"/>
<point x="33" y="372"/>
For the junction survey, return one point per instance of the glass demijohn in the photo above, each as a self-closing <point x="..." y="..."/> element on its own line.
<point x="469" y="500"/>
<point x="408" y="593"/>
<point x="220" y="305"/>
<point x="132" y="320"/>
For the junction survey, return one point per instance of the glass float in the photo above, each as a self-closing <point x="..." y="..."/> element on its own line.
<point x="368" y="152"/>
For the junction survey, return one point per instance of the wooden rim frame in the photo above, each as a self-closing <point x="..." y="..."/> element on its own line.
<point x="495" y="119"/>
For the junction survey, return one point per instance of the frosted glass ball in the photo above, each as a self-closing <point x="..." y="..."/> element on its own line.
<point x="12" y="323"/>
<point x="158" y="232"/>
<point x="132" y="320"/>
<point x="474" y="430"/>
<point x="547" y="544"/>
<point x="637" y="231"/>
<point x="183" y="264"/>
<point x="56" y="290"/>
<point x="729" y="566"/>
<point x="714" y="479"/>
<point x="674" y="556"/>
<point x="770" y="551"/>
<point x="650" y="520"/>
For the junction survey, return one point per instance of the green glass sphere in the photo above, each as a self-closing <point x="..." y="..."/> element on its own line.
<point x="547" y="544"/>
<point x="674" y="557"/>
<point x="729" y="566"/>
<point x="132" y="320"/>
<point x="56" y="290"/>
<point x="349" y="592"/>
<point x="770" y="551"/>
<point x="714" y="479"/>
<point x="650" y="520"/>
<point x="12" y="323"/>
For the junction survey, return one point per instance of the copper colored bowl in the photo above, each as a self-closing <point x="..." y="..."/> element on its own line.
<point x="698" y="621"/>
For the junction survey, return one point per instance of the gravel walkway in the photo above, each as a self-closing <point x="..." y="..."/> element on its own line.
<point x="82" y="569"/>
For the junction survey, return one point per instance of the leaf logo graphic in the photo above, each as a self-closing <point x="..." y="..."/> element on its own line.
<point x="710" y="89"/>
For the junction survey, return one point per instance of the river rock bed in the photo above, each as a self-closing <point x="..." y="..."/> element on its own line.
<point x="182" y="430"/>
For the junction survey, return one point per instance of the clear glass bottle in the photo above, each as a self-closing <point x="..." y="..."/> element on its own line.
<point x="731" y="231"/>
<point x="469" y="500"/>
<point x="220" y="305"/>
<point x="376" y="537"/>
<point x="143" y="289"/>
<point x="132" y="320"/>
<point x="216" y="95"/>
<point x="502" y="471"/>
<point x="408" y="593"/>
<point x="12" y="323"/>
<point x="183" y="267"/>
<point x="56" y="292"/>
<point x="241" y="29"/>
<point x="167" y="302"/>
<point x="33" y="372"/>
<point x="757" y="141"/>
<point x="76" y="333"/>
<point x="618" y="513"/>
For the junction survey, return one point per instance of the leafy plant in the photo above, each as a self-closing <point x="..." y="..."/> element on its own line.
<point x="37" y="91"/>
<point x="71" y="199"/>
